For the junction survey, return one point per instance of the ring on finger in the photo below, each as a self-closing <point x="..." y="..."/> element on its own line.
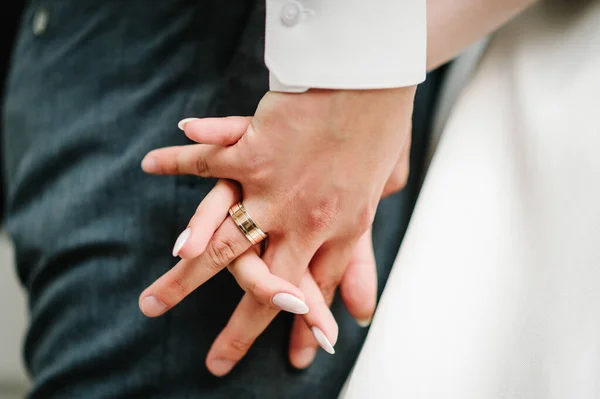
<point x="246" y="224"/>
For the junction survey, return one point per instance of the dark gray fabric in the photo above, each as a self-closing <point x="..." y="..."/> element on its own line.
<point x="105" y="83"/>
<point x="10" y="22"/>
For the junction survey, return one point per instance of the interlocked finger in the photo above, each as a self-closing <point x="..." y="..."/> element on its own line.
<point x="358" y="288"/>
<point x="202" y="160"/>
<point x="253" y="275"/>
<point x="225" y="246"/>
<point x="251" y="317"/>
<point x="316" y="328"/>
<point x="206" y="220"/>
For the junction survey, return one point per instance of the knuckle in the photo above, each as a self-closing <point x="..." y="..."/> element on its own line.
<point x="323" y="216"/>
<point x="262" y="294"/>
<point x="221" y="252"/>
<point x="254" y="290"/>
<point x="239" y="345"/>
<point x="179" y="288"/>
<point x="201" y="166"/>
<point x="365" y="220"/>
<point x="398" y="180"/>
<point x="258" y="291"/>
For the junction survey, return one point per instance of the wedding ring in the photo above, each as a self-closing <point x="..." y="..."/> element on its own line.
<point x="246" y="224"/>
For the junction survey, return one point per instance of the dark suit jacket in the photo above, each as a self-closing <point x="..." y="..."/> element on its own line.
<point x="11" y="19"/>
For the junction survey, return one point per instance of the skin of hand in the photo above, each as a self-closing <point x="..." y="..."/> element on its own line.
<point x="450" y="29"/>
<point x="312" y="168"/>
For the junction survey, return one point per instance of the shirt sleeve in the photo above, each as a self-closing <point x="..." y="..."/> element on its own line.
<point x="345" y="44"/>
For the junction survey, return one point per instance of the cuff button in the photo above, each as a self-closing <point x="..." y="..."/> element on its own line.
<point x="291" y="13"/>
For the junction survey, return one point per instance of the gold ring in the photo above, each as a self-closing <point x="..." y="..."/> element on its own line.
<point x="246" y="224"/>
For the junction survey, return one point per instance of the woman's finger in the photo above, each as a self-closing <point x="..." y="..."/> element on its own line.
<point x="359" y="284"/>
<point x="253" y="275"/>
<point x="208" y="217"/>
<point x="226" y="245"/>
<point x="222" y="131"/>
<point x="316" y="328"/>
<point x="202" y="160"/>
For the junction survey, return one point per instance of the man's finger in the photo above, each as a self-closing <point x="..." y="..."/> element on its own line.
<point x="208" y="217"/>
<point x="222" y="131"/>
<point x="316" y="328"/>
<point x="250" y="318"/>
<point x="399" y="176"/>
<point x="359" y="284"/>
<point x="329" y="265"/>
<point x="202" y="160"/>
<point x="227" y="244"/>
<point x="237" y="337"/>
<point x="359" y="291"/>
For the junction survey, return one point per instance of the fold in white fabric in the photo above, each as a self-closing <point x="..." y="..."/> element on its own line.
<point x="496" y="289"/>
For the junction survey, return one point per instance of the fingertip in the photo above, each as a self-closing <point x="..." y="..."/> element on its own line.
<point x="302" y="358"/>
<point x="360" y="300"/>
<point x="149" y="164"/>
<point x="323" y="341"/>
<point x="151" y="306"/>
<point x="181" y="124"/>
<point x="364" y="323"/>
<point x="180" y="242"/>
<point x="290" y="303"/>
<point x="220" y="367"/>
<point x="195" y="245"/>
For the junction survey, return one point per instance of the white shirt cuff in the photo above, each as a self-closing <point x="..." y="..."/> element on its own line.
<point x="345" y="44"/>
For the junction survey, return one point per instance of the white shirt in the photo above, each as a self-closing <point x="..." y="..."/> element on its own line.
<point x="345" y="44"/>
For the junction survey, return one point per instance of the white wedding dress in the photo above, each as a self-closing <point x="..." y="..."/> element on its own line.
<point x="495" y="293"/>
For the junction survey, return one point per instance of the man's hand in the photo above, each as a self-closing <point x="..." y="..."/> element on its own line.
<point x="312" y="168"/>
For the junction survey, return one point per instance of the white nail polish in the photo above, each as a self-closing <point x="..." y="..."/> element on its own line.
<point x="183" y="237"/>
<point x="290" y="303"/>
<point x="322" y="340"/>
<point x="181" y="123"/>
<point x="363" y="322"/>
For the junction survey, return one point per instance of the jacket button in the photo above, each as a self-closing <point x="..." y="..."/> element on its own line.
<point x="291" y="13"/>
<point x="40" y="22"/>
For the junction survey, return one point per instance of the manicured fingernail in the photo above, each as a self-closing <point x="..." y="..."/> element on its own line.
<point x="181" y="240"/>
<point x="181" y="123"/>
<point x="304" y="357"/>
<point x="152" y="306"/>
<point x="322" y="340"/>
<point x="364" y="322"/>
<point x="220" y="367"/>
<point x="148" y="164"/>
<point x="290" y="303"/>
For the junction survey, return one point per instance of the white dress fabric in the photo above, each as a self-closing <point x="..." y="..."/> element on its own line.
<point x="495" y="293"/>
